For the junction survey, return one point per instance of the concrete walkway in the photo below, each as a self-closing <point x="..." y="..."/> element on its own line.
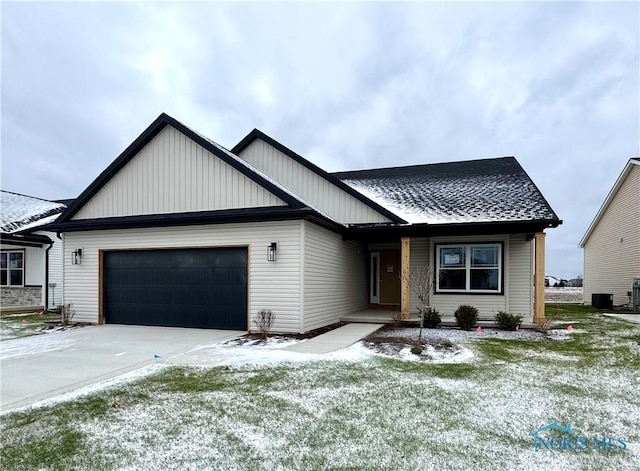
<point x="626" y="317"/>
<point x="336" y="339"/>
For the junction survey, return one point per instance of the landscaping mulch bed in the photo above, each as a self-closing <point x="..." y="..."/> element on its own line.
<point x="398" y="342"/>
<point x="50" y="327"/>
<point x="256" y="339"/>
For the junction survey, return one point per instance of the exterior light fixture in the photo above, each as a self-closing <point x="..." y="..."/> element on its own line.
<point x="76" y="257"/>
<point x="272" y="252"/>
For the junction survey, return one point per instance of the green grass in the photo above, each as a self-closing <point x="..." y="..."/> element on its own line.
<point x="24" y="325"/>
<point x="375" y="413"/>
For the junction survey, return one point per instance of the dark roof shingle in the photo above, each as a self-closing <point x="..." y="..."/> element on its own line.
<point x="487" y="190"/>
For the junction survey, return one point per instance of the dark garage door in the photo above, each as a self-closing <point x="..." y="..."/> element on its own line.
<point x="178" y="288"/>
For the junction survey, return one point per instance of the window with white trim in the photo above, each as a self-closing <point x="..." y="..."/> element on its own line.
<point x="11" y="268"/>
<point x="469" y="268"/>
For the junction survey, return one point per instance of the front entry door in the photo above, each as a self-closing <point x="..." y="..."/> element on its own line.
<point x="389" y="277"/>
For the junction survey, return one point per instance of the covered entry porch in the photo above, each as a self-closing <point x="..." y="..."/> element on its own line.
<point x="492" y="271"/>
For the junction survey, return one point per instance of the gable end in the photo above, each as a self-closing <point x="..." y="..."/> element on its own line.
<point x="633" y="163"/>
<point x="145" y="138"/>
<point x="257" y="134"/>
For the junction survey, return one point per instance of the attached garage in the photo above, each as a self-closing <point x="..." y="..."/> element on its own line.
<point x="199" y="287"/>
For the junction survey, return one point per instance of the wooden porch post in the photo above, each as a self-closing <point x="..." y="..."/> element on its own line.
<point x="538" y="297"/>
<point x="405" y="268"/>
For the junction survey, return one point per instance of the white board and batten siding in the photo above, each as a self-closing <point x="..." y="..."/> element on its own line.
<point x="334" y="277"/>
<point x="174" y="174"/>
<point x="322" y="194"/>
<point x="271" y="285"/>
<point x="612" y="250"/>
<point x="517" y="296"/>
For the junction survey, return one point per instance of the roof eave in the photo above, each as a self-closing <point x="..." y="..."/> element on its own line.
<point x="454" y="229"/>
<point x="28" y="240"/>
<point x="195" y="218"/>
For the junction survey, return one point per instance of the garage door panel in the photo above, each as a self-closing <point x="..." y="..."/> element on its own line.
<point x="185" y="287"/>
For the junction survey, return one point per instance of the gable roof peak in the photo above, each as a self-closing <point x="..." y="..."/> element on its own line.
<point x="331" y="178"/>
<point x="605" y="204"/>
<point x="216" y="149"/>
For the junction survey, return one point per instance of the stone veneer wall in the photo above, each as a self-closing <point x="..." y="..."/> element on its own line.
<point x="21" y="296"/>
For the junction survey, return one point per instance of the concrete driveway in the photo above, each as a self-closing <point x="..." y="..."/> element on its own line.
<point x="43" y="366"/>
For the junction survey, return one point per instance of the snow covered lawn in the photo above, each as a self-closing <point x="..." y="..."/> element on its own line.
<point x="564" y="294"/>
<point x="355" y="408"/>
<point x="14" y="326"/>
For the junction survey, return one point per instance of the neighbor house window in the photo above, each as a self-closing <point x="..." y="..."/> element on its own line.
<point x="12" y="268"/>
<point x="469" y="268"/>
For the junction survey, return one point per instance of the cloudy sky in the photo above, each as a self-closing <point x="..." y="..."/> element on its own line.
<point x="347" y="85"/>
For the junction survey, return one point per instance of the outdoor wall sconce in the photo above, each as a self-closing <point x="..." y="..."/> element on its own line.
<point x="76" y="257"/>
<point x="272" y="251"/>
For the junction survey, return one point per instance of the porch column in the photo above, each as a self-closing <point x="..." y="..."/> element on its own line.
<point x="405" y="269"/>
<point x="538" y="281"/>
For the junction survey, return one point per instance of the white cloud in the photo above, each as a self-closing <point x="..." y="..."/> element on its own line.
<point x="353" y="85"/>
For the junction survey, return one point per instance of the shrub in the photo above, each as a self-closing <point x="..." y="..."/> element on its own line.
<point x="264" y="321"/>
<point x="507" y="321"/>
<point x="67" y="314"/>
<point x="396" y="318"/>
<point x="431" y="318"/>
<point x="416" y="349"/>
<point x="466" y="317"/>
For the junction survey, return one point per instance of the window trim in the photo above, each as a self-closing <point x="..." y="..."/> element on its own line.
<point x="468" y="246"/>
<point x="8" y="269"/>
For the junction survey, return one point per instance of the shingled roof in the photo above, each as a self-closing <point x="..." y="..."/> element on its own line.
<point x="473" y="191"/>
<point x="21" y="212"/>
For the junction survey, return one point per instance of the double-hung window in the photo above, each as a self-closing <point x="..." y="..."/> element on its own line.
<point x="12" y="268"/>
<point x="469" y="268"/>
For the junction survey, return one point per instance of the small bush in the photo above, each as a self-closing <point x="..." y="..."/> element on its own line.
<point x="416" y="349"/>
<point x="466" y="317"/>
<point x="431" y="318"/>
<point x="67" y="314"/>
<point x="507" y="321"/>
<point x="264" y="321"/>
<point x="396" y="318"/>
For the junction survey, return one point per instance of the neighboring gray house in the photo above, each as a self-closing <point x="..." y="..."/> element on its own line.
<point x="612" y="241"/>
<point x="30" y="258"/>
<point x="179" y="231"/>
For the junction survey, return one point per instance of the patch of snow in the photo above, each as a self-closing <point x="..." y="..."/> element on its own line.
<point x="430" y="199"/>
<point x="449" y="334"/>
<point x="40" y="222"/>
<point x="356" y="352"/>
<point x="560" y="334"/>
<point x="431" y="354"/>
<point x="33" y="345"/>
<point x="229" y="355"/>
<point x="19" y="211"/>
<point x="564" y="289"/>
